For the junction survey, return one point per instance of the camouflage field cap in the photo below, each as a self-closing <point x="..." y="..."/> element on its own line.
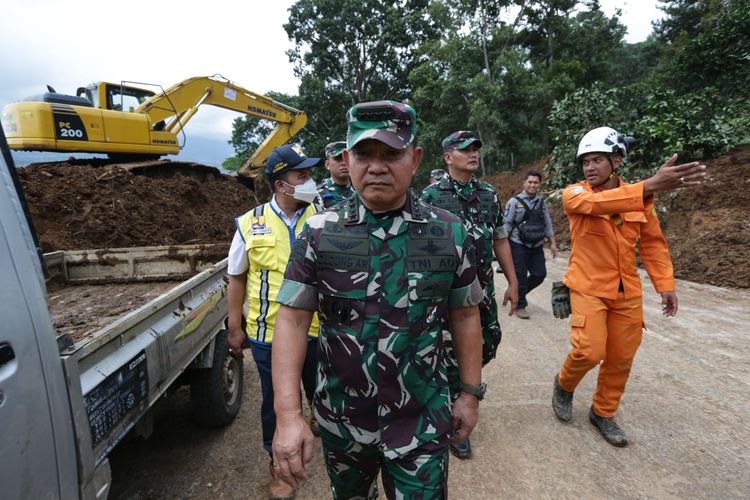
<point x="461" y="140"/>
<point x="438" y="172"/>
<point x="285" y="158"/>
<point x="392" y="123"/>
<point x="334" y="149"/>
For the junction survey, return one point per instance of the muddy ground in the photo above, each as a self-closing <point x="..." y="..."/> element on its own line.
<point x="685" y="410"/>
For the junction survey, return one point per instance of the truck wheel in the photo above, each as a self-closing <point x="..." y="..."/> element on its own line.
<point x="216" y="392"/>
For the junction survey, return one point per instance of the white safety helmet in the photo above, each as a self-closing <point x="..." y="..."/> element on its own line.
<point x="604" y="140"/>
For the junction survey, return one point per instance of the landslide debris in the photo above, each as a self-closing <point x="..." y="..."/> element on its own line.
<point x="77" y="206"/>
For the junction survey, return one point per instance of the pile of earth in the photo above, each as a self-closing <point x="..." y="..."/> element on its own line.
<point x="82" y="205"/>
<point x="707" y="228"/>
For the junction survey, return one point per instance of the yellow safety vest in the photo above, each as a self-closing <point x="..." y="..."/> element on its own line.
<point x="268" y="243"/>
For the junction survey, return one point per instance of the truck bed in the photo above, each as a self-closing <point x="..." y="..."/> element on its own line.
<point x="139" y="318"/>
<point x="89" y="289"/>
<point x="81" y="310"/>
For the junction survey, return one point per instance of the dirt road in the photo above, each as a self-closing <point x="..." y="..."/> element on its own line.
<point x="686" y="411"/>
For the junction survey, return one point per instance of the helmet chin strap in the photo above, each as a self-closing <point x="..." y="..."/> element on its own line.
<point x="612" y="175"/>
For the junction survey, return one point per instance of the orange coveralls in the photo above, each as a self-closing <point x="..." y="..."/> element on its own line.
<point x="605" y="290"/>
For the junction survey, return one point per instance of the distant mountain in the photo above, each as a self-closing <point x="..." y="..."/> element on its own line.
<point x="203" y="150"/>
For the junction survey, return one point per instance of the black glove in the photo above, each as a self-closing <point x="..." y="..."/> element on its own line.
<point x="560" y="300"/>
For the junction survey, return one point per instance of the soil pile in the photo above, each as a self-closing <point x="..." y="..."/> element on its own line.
<point x="85" y="206"/>
<point x="707" y="228"/>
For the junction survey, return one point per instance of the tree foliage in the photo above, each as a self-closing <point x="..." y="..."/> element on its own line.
<point x="361" y="48"/>
<point x="248" y="132"/>
<point x="692" y="101"/>
<point x="503" y="79"/>
<point x="719" y="55"/>
<point x="663" y="121"/>
<point x="531" y="76"/>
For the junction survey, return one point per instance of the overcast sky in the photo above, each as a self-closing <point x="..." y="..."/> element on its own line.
<point x="68" y="44"/>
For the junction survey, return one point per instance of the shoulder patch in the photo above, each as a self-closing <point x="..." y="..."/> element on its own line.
<point x="577" y="189"/>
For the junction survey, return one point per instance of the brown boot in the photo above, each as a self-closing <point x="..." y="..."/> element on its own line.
<point x="277" y="488"/>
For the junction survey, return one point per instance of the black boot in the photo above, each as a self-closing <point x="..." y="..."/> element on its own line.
<point x="462" y="449"/>
<point x="609" y="429"/>
<point x="562" y="402"/>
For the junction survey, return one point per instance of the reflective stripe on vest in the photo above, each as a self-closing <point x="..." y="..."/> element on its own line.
<point x="268" y="243"/>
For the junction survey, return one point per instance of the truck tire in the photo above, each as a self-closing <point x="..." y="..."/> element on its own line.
<point x="216" y="392"/>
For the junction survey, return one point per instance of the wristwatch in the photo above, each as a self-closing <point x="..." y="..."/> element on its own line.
<point x="475" y="390"/>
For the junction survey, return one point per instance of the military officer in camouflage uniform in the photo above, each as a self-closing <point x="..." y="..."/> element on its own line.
<point x="338" y="186"/>
<point x="478" y="205"/>
<point x="383" y="271"/>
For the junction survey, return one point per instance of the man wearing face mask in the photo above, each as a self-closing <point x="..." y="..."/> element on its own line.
<point x="257" y="259"/>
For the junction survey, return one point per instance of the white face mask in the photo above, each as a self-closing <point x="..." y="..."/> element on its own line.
<point x="306" y="191"/>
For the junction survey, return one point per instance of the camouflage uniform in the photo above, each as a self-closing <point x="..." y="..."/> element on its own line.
<point x="477" y="204"/>
<point x="421" y="473"/>
<point x="332" y="194"/>
<point x="382" y="285"/>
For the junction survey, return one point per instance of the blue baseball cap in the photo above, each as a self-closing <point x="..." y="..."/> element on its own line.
<point x="285" y="158"/>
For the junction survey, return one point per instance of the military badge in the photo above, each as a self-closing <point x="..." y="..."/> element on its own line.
<point x="436" y="230"/>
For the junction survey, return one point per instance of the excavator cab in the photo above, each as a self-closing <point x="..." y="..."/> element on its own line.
<point x="114" y="97"/>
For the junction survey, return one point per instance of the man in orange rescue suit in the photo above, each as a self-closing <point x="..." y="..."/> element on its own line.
<point x="257" y="259"/>
<point x="607" y="217"/>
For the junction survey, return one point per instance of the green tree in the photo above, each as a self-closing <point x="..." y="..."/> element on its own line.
<point x="363" y="49"/>
<point x="684" y="18"/>
<point x="248" y="132"/>
<point x="719" y="54"/>
<point x="441" y="95"/>
<point x="354" y="51"/>
<point x="664" y="121"/>
<point x="501" y="79"/>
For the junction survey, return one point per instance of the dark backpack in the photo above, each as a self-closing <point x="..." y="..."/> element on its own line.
<point x="531" y="227"/>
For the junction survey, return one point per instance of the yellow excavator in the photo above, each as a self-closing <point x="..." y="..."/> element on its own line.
<point x="129" y="123"/>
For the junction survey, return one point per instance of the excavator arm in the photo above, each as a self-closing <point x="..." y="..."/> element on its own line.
<point x="173" y="108"/>
<point x="134" y="124"/>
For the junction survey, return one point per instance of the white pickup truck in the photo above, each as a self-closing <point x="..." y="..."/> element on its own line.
<point x="72" y="385"/>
